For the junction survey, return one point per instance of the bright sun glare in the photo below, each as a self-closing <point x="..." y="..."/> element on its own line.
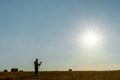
<point x="91" y="38"/>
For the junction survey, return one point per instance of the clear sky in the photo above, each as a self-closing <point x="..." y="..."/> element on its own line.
<point x="51" y="31"/>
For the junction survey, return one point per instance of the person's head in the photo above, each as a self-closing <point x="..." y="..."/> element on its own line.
<point x="36" y="59"/>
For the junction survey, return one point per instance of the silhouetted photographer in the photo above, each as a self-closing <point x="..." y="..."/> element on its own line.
<point x="36" y="65"/>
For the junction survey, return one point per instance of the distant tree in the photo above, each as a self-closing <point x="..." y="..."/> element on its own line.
<point x="70" y="70"/>
<point x="5" y="70"/>
<point x="14" y="70"/>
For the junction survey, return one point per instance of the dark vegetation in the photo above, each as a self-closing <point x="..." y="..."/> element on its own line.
<point x="14" y="70"/>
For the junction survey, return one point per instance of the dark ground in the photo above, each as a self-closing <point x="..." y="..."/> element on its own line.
<point x="62" y="75"/>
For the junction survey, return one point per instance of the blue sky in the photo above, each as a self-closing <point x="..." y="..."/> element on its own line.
<point x="50" y="30"/>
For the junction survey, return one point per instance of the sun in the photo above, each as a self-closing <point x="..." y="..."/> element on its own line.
<point x="91" y="39"/>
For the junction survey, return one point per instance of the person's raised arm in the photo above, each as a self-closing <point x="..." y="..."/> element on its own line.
<point x="40" y="63"/>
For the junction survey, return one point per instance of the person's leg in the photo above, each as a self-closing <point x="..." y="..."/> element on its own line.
<point x="35" y="71"/>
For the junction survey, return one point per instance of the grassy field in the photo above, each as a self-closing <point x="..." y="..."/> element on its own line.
<point x="62" y="75"/>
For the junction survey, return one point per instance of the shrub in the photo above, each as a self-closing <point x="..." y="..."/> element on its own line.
<point x="70" y="70"/>
<point x="14" y="70"/>
<point x="21" y="71"/>
<point x="5" y="70"/>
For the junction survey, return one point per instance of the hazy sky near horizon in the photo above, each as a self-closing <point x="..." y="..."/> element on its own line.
<point x="51" y="31"/>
